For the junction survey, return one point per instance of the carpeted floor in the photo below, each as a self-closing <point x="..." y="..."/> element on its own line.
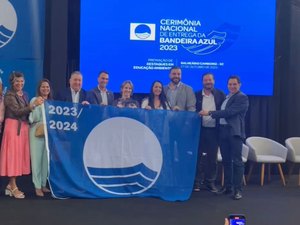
<point x="272" y="204"/>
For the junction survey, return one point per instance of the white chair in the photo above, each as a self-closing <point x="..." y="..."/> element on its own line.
<point x="264" y="150"/>
<point x="245" y="152"/>
<point x="293" y="155"/>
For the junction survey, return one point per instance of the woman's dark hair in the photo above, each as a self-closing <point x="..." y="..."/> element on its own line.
<point x="38" y="91"/>
<point x="13" y="76"/>
<point x="162" y="97"/>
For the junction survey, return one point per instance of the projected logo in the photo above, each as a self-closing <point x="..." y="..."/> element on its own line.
<point x="213" y="41"/>
<point x="122" y="156"/>
<point x="221" y="38"/>
<point x="8" y="22"/>
<point x="142" y="31"/>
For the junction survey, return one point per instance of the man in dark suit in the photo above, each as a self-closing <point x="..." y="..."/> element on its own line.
<point x="232" y="134"/>
<point x="75" y="93"/>
<point x="209" y="99"/>
<point x="100" y="95"/>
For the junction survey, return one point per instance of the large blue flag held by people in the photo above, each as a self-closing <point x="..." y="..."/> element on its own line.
<point x="109" y="152"/>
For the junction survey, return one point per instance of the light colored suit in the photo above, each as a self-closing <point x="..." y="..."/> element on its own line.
<point x="185" y="97"/>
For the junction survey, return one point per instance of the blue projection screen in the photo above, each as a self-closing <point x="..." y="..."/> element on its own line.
<point x="140" y="40"/>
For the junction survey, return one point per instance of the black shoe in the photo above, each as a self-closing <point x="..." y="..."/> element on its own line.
<point x="225" y="191"/>
<point x="212" y="188"/>
<point x="237" y="195"/>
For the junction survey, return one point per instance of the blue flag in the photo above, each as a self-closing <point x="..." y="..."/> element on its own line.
<point x="109" y="152"/>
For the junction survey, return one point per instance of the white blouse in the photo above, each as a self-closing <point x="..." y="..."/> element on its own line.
<point x="145" y="103"/>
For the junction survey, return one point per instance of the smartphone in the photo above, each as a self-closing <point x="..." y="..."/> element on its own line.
<point x="237" y="219"/>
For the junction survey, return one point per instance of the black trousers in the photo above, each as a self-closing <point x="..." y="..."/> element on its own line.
<point x="231" y="151"/>
<point x="207" y="155"/>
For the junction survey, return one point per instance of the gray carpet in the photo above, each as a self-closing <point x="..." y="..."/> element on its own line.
<point x="272" y="204"/>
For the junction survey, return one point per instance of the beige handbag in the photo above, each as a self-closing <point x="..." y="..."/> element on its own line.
<point x="39" y="130"/>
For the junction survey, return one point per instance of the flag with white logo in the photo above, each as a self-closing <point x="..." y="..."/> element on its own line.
<point x="109" y="152"/>
<point x="22" y="30"/>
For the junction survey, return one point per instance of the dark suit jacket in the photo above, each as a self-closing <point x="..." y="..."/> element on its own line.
<point x="234" y="113"/>
<point x="66" y="95"/>
<point x="94" y="97"/>
<point x="219" y="97"/>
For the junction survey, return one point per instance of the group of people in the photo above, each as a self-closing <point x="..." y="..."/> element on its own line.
<point x="19" y="144"/>
<point x="174" y="96"/>
<point x="222" y="124"/>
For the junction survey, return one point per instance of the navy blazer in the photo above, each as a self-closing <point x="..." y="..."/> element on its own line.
<point x="94" y="97"/>
<point x="234" y="113"/>
<point x="66" y="95"/>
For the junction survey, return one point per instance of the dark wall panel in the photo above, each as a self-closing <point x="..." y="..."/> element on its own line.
<point x="56" y="43"/>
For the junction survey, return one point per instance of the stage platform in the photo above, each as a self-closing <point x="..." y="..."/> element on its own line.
<point x="271" y="204"/>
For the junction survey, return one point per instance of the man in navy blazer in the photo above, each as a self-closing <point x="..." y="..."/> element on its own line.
<point x="75" y="93"/>
<point x="209" y="98"/>
<point x="232" y="134"/>
<point x="100" y="95"/>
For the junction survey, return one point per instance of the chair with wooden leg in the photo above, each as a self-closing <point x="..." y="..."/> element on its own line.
<point x="293" y="156"/>
<point x="245" y="152"/>
<point x="266" y="151"/>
